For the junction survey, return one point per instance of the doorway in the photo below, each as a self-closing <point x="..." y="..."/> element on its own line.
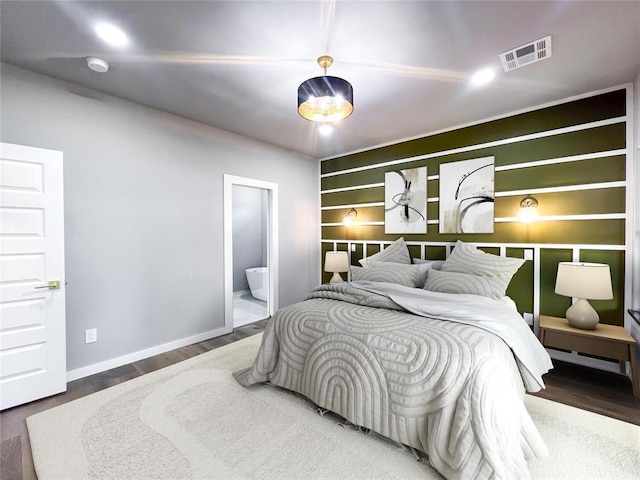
<point x="250" y="250"/>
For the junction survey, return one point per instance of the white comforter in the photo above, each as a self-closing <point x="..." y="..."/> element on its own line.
<point x="450" y="388"/>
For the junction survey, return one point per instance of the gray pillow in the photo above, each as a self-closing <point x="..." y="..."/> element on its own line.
<point x="468" y="259"/>
<point x="453" y="282"/>
<point x="435" y="264"/>
<point x="407" y="275"/>
<point x="397" y="252"/>
<point x="422" y="269"/>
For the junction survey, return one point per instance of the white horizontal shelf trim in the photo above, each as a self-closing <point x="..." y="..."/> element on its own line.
<point x="364" y="205"/>
<point x="556" y="218"/>
<point x="624" y="86"/>
<point x="537" y="163"/>
<point x="356" y="187"/>
<point x="555" y="161"/>
<point x="355" y="224"/>
<point x="510" y="193"/>
<point x="355" y="205"/>
<point x="548" y="218"/>
<point x="470" y="148"/>
<point x="535" y="246"/>
<point x="564" y="188"/>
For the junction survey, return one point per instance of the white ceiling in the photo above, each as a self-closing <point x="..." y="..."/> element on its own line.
<point x="237" y="65"/>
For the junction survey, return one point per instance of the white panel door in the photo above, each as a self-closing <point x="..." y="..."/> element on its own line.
<point x="32" y="304"/>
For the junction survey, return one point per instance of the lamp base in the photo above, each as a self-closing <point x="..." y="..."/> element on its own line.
<point x="336" y="278"/>
<point x="582" y="315"/>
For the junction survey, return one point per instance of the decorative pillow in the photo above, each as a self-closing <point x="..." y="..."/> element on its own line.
<point x="435" y="264"/>
<point x="454" y="282"/>
<point x="466" y="258"/>
<point x="407" y="275"/>
<point x="396" y="252"/>
<point x="422" y="269"/>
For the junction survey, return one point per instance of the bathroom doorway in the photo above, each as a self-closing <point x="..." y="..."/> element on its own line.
<point x="250" y="250"/>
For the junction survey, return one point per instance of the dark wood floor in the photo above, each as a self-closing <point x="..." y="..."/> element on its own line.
<point x="601" y="392"/>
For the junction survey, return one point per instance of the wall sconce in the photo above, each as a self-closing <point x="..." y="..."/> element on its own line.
<point x="584" y="281"/>
<point x="336" y="262"/>
<point x="528" y="212"/>
<point x="350" y="218"/>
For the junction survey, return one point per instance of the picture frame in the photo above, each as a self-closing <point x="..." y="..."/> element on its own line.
<point x="405" y="201"/>
<point x="467" y="196"/>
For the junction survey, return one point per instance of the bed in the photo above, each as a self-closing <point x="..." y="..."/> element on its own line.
<point x="438" y="369"/>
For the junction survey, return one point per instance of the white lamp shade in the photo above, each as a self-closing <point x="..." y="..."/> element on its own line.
<point x="336" y="262"/>
<point x="584" y="280"/>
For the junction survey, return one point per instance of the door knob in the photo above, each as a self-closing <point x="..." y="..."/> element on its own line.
<point x="52" y="285"/>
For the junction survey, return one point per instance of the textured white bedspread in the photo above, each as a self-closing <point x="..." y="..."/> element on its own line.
<point x="486" y="313"/>
<point x="449" y="389"/>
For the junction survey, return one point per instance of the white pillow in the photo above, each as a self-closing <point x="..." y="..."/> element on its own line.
<point x="468" y="259"/>
<point x="460" y="283"/>
<point x="407" y="275"/>
<point x="397" y="252"/>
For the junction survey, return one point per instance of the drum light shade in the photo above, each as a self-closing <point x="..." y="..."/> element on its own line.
<point x="325" y="99"/>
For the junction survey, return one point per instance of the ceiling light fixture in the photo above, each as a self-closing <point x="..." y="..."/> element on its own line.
<point x="325" y="98"/>
<point x="111" y="34"/>
<point x="97" y="65"/>
<point x="482" y="77"/>
<point x="325" y="129"/>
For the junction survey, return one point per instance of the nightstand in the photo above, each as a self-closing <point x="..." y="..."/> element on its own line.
<point x="607" y="341"/>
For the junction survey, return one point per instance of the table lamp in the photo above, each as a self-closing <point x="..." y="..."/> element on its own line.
<point x="584" y="281"/>
<point x="336" y="262"/>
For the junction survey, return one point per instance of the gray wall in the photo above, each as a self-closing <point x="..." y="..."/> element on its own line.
<point x="144" y="212"/>
<point x="250" y="223"/>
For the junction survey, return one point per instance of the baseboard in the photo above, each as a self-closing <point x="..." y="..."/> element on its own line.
<point x="141" y="354"/>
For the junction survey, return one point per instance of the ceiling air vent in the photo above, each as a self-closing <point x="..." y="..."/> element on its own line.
<point x="526" y="54"/>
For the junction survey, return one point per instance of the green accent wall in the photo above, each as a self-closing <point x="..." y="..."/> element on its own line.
<point x="575" y="143"/>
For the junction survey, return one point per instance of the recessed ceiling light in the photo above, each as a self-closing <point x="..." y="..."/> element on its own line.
<point x="482" y="77"/>
<point x="97" y="65"/>
<point x="325" y="129"/>
<point x="111" y="34"/>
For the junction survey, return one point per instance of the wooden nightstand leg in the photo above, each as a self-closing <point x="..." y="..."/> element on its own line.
<point x="634" y="370"/>
<point x="623" y="366"/>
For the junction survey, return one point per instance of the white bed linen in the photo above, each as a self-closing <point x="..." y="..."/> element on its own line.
<point x="447" y="388"/>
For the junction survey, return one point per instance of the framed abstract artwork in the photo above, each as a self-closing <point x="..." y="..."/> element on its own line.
<point x="405" y="201"/>
<point x="467" y="196"/>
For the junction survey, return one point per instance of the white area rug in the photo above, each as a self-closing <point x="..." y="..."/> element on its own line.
<point x="193" y="421"/>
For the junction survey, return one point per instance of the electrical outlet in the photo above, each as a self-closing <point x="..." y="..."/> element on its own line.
<point x="91" y="335"/>
<point x="528" y="317"/>
<point x="528" y="254"/>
